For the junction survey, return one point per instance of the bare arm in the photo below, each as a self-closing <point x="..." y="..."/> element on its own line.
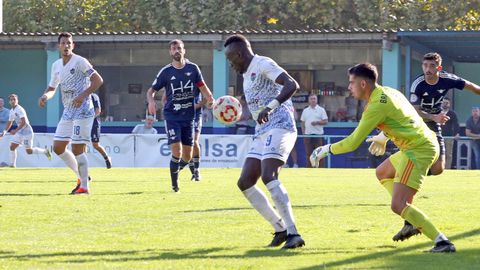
<point x="7" y="127"/>
<point x="441" y="118"/>
<point x="152" y="108"/>
<point x="47" y="94"/>
<point x="472" y="87"/>
<point x="207" y="95"/>
<point x="95" y="82"/>
<point x="290" y="86"/>
<point x="469" y="133"/>
<point x="19" y="127"/>
<point x="303" y="127"/>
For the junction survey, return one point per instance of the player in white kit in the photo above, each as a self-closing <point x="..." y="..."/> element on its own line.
<point x="77" y="79"/>
<point x="23" y="134"/>
<point x="268" y="89"/>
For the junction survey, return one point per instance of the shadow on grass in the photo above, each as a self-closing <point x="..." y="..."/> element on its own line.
<point x="295" y="206"/>
<point x="463" y="259"/>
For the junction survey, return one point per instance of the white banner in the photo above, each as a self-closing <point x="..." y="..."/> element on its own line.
<point x="127" y="150"/>
<point x="217" y="151"/>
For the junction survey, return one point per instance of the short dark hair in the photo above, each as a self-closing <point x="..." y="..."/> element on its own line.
<point x="175" y="42"/>
<point x="433" y="56"/>
<point x="364" y="70"/>
<point x="13" y="95"/>
<point x="64" y="35"/>
<point x="236" y="38"/>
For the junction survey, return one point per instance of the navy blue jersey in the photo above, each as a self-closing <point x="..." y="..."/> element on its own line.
<point x="429" y="97"/>
<point x="180" y="88"/>
<point x="96" y="104"/>
<point x="198" y="99"/>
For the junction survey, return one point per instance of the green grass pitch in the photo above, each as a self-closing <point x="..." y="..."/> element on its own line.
<point x="132" y="220"/>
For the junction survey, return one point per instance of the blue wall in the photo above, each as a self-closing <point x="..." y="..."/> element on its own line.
<point x="24" y="72"/>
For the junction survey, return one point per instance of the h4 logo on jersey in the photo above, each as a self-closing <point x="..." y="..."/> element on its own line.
<point x="177" y="107"/>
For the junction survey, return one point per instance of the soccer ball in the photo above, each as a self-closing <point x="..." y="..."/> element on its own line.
<point x="227" y="110"/>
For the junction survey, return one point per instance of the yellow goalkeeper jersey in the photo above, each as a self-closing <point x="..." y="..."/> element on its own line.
<point x="390" y="111"/>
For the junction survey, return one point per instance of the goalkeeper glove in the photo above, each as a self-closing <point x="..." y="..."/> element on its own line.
<point x="378" y="144"/>
<point x="318" y="154"/>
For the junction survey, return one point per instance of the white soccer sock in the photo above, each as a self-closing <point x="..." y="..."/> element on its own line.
<point x="260" y="202"/>
<point x="83" y="170"/>
<point x="13" y="158"/>
<point x="283" y="205"/>
<point x="37" y="150"/>
<point x="70" y="161"/>
<point x="440" y="237"/>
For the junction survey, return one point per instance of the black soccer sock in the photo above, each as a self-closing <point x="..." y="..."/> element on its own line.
<point x="196" y="162"/>
<point x="182" y="164"/>
<point x="407" y="223"/>
<point x="174" y="163"/>
<point x="191" y="165"/>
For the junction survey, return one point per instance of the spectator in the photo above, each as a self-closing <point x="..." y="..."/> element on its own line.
<point x="450" y="129"/>
<point x="313" y="119"/>
<point x="352" y="106"/>
<point x="146" y="128"/>
<point x="473" y="131"/>
<point x="4" y="113"/>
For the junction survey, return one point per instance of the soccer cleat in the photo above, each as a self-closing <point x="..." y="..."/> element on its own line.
<point x="48" y="154"/>
<point x="278" y="239"/>
<point x="108" y="162"/>
<point x="80" y="191"/>
<point x="196" y="176"/>
<point x="293" y="241"/>
<point x="406" y="232"/>
<point x="444" y="246"/>
<point x="175" y="189"/>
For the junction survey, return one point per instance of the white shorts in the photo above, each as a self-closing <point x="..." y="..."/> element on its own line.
<point x="77" y="131"/>
<point x="276" y="143"/>
<point x="23" y="139"/>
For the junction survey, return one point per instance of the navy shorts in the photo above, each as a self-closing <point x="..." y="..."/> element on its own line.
<point x="437" y="128"/>
<point x="95" y="134"/>
<point x="179" y="131"/>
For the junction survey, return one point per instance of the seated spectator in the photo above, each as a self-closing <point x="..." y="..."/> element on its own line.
<point x="146" y="128"/>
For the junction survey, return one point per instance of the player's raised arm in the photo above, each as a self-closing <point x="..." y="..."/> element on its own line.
<point x="472" y="87"/>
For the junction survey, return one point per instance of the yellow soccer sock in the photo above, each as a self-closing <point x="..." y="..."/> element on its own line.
<point x="387" y="183"/>
<point x="416" y="217"/>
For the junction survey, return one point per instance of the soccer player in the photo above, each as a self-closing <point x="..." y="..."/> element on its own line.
<point x="95" y="134"/>
<point x="402" y="174"/>
<point x="77" y="79"/>
<point x="23" y="134"/>
<point x="268" y="89"/>
<point x="180" y="79"/>
<point x="194" y="164"/>
<point x="427" y="94"/>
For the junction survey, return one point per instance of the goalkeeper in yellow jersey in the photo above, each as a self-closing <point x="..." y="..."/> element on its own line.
<point x="402" y="174"/>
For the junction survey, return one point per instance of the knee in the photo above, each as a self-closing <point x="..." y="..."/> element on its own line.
<point x="29" y="151"/>
<point x="397" y="207"/>
<point x="58" y="150"/>
<point x="243" y="184"/>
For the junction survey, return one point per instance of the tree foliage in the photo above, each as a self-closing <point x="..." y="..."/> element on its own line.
<point x="197" y="15"/>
